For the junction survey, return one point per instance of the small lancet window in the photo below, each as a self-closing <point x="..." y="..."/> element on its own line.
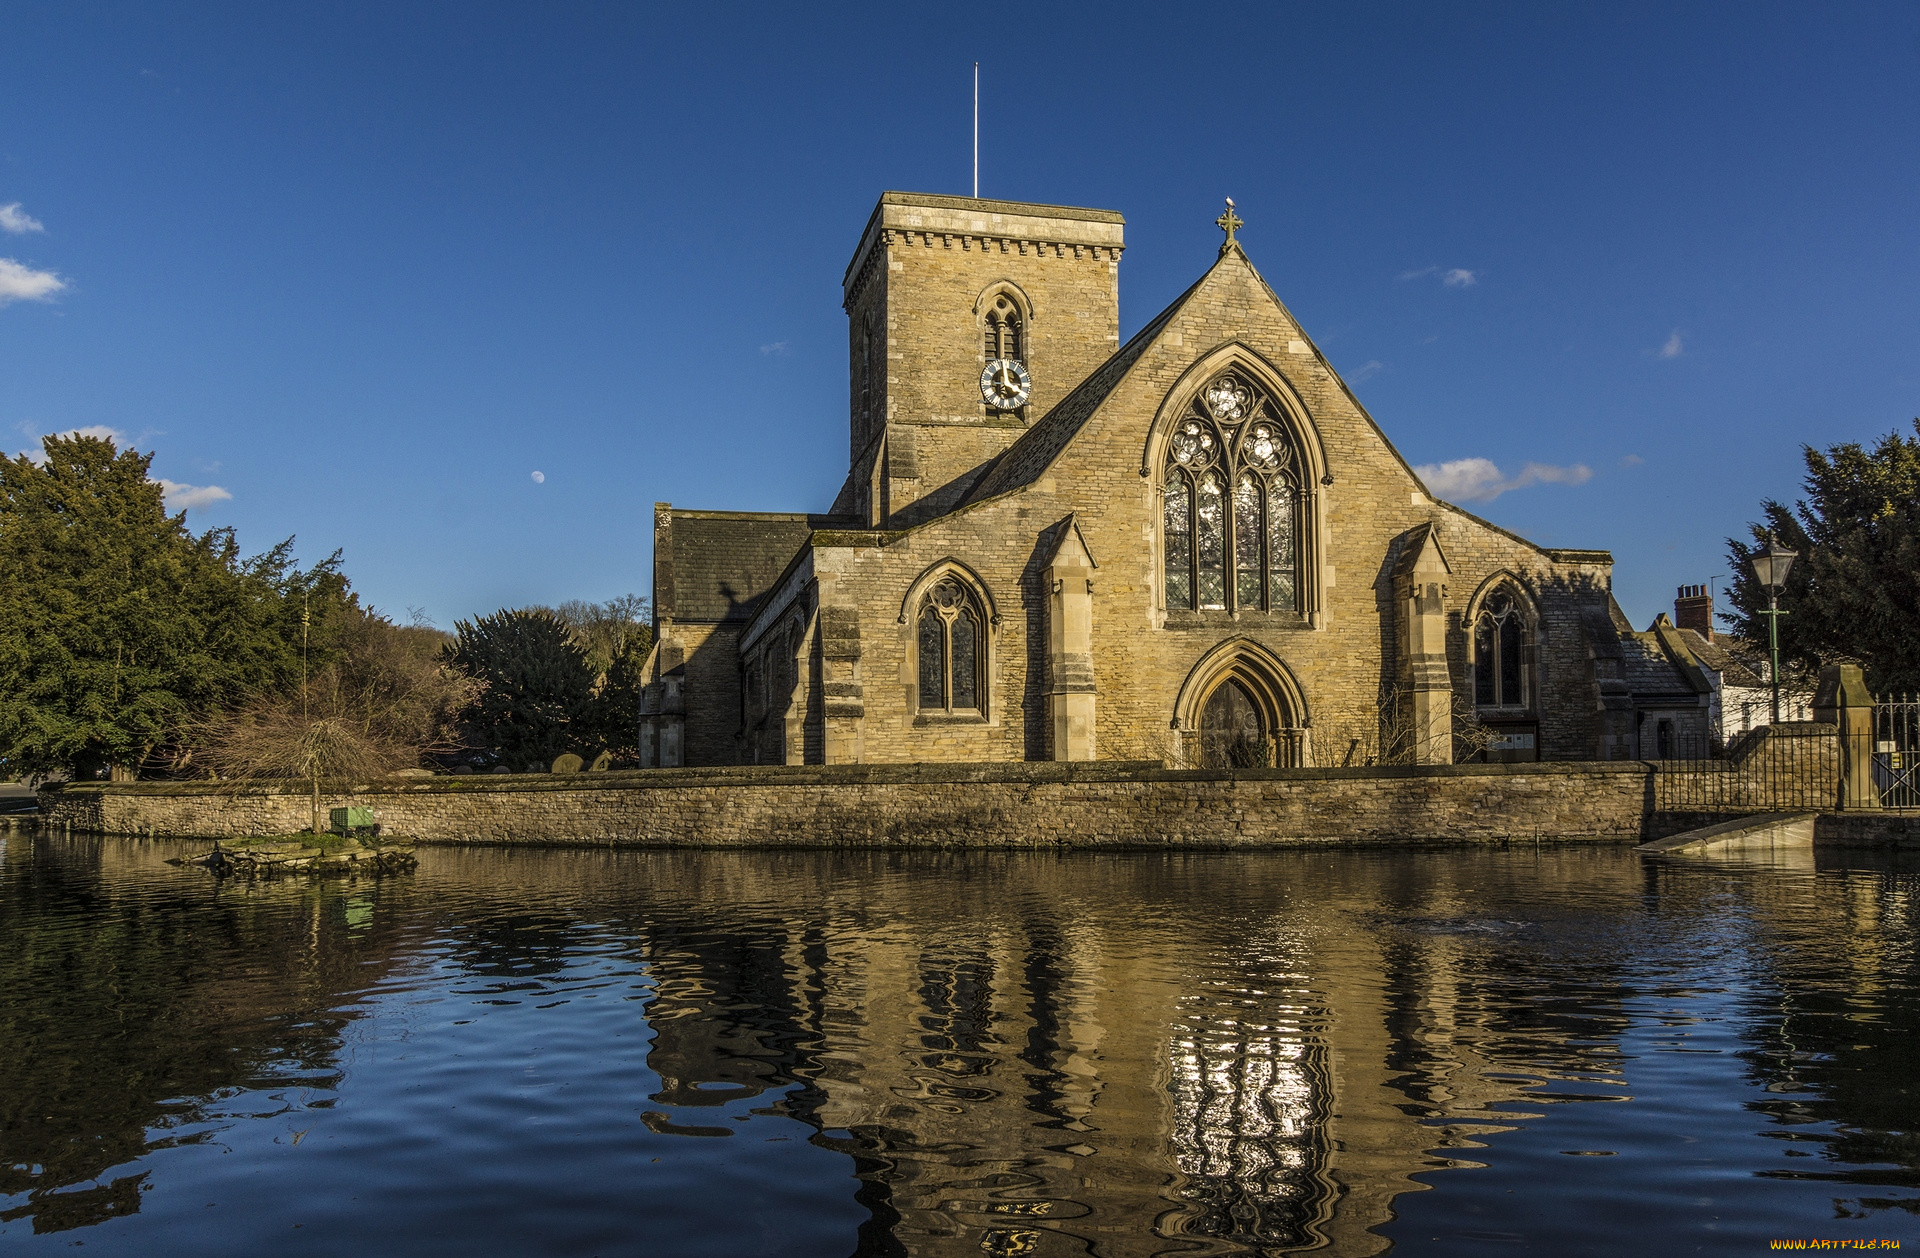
<point x="1499" y="653"/>
<point x="1004" y="333"/>
<point x="1237" y="551"/>
<point x="949" y="636"/>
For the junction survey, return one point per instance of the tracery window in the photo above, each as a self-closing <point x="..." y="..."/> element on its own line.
<point x="950" y="635"/>
<point x="1499" y="652"/>
<point x="1004" y="333"/>
<point x="1232" y="504"/>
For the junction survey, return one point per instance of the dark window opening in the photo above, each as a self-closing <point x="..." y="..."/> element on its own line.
<point x="1232" y="733"/>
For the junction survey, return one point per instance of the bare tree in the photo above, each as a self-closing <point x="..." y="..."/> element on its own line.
<point x="384" y="704"/>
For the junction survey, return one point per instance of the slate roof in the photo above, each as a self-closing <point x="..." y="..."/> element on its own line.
<point x="1648" y="670"/>
<point x="1733" y="669"/>
<point x="724" y="562"/>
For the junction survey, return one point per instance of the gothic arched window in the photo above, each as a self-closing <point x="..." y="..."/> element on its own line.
<point x="1232" y="504"/>
<point x="1003" y="331"/>
<point x="1500" y="652"/>
<point x="950" y="635"/>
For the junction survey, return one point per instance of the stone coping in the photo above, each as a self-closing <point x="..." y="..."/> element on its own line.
<point x="860" y="774"/>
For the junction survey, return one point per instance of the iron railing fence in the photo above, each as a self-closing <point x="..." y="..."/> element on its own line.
<point x="1227" y="749"/>
<point x="1896" y="750"/>
<point x="1781" y="768"/>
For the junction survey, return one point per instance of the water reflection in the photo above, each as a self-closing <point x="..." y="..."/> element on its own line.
<point x="928" y="1054"/>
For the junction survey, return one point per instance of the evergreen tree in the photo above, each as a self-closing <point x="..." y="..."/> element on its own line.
<point x="616" y="709"/>
<point x="119" y="627"/>
<point x="1854" y="593"/>
<point x="538" y="697"/>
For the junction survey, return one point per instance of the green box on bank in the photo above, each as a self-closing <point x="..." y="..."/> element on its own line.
<point x="345" y="819"/>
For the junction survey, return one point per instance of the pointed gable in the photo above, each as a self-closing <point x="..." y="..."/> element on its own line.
<point x="1024" y="461"/>
<point x="1421" y="554"/>
<point x="1070" y="549"/>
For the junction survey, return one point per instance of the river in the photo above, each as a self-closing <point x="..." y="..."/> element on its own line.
<point x="1560" y="1049"/>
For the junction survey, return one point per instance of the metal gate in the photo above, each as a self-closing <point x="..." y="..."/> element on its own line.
<point x="1791" y="767"/>
<point x="1896" y="750"/>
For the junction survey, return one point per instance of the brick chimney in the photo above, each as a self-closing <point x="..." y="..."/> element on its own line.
<point x="1693" y="609"/>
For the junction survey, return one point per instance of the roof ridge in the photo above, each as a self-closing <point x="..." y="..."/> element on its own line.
<point x="1086" y="397"/>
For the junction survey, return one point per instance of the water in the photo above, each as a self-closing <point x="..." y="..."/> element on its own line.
<point x="1563" y="1051"/>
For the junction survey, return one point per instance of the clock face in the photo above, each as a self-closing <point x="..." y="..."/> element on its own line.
<point x="1005" y="384"/>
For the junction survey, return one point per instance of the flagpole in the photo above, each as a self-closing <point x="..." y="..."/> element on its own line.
<point x="976" y="130"/>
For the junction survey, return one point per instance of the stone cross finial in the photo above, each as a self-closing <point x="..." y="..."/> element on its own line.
<point x="1228" y="223"/>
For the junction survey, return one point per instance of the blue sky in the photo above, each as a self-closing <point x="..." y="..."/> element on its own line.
<point x="367" y="268"/>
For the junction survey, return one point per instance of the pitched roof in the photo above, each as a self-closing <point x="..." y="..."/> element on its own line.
<point x="1025" y="460"/>
<point x="1734" y="670"/>
<point x="725" y="561"/>
<point x="1415" y="543"/>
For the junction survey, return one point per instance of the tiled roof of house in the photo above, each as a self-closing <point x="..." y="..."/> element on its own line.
<point x="1725" y="658"/>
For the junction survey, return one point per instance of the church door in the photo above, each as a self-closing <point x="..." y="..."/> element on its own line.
<point x="1232" y="735"/>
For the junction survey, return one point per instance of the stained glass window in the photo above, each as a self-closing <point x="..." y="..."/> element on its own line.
<point x="1282" y="563"/>
<point x="1210" y="529"/>
<point x="1247" y="568"/>
<point x="1179" y="533"/>
<point x="933" y="659"/>
<point x="965" y="666"/>
<point x="951" y="650"/>
<point x="1240" y="544"/>
<point x="1499" y="653"/>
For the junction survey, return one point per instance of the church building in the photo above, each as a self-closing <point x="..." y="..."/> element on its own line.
<point x="1196" y="547"/>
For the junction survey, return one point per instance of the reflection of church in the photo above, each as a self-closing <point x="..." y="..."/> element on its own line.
<point x="1196" y="546"/>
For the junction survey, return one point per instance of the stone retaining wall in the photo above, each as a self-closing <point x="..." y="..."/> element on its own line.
<point x="1098" y="804"/>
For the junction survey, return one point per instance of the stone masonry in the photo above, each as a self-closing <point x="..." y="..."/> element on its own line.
<point x="1101" y="804"/>
<point x="801" y="639"/>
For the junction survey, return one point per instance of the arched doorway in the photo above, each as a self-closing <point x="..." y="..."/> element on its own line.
<point x="1239" y="708"/>
<point x="1233" y="734"/>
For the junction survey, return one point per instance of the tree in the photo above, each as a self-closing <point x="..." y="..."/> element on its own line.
<point x="1854" y="594"/>
<point x="385" y="700"/>
<point x="538" y="693"/>
<point x="604" y="630"/>
<point x="616" y="708"/>
<point x="119" y="627"/>
<point x="616" y="638"/>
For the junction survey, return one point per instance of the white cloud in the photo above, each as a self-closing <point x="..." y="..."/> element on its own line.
<point x="38" y="455"/>
<point x="1479" y="480"/>
<point x="101" y="431"/>
<point x="1631" y="460"/>
<point x="20" y="283"/>
<point x="539" y="478"/>
<point x="1673" y="348"/>
<point x="14" y="219"/>
<point x="1453" y="277"/>
<point x="191" y="497"/>
<point x="777" y="348"/>
<point x="1365" y="369"/>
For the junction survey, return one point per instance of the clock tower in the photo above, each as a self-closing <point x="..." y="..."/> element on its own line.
<point x="967" y="320"/>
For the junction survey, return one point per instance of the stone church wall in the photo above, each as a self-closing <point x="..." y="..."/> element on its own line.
<point x="1140" y="663"/>
<point x="977" y="805"/>
<point x="919" y="273"/>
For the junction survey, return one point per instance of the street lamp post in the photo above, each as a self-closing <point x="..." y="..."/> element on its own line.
<point x="1770" y="569"/>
